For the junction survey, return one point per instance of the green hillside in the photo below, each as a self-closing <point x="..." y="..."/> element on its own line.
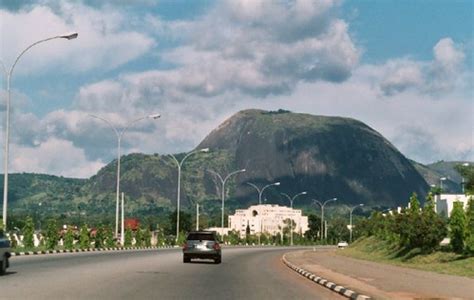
<point x="325" y="156"/>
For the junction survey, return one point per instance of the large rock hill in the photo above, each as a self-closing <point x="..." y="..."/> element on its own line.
<point x="326" y="156"/>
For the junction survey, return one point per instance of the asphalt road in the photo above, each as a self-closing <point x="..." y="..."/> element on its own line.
<point x="245" y="273"/>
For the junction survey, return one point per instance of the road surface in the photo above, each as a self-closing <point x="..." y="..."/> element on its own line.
<point x="245" y="273"/>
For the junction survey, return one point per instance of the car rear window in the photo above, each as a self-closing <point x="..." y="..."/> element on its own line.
<point x="200" y="237"/>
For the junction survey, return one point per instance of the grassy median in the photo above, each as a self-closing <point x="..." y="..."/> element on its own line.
<point x="444" y="262"/>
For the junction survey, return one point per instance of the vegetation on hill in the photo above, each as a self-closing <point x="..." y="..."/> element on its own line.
<point x="325" y="156"/>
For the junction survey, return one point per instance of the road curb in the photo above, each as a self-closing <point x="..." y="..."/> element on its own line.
<point x="44" y="252"/>
<point x="324" y="282"/>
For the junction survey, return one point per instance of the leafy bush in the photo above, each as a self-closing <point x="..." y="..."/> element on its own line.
<point x="457" y="226"/>
<point x="84" y="240"/>
<point x="69" y="239"/>
<point x="28" y="231"/>
<point x="52" y="234"/>
<point x="128" y="237"/>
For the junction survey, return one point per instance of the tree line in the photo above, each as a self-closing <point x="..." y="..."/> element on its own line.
<point x="422" y="228"/>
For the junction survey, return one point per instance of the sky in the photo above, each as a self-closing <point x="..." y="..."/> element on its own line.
<point x="405" y="68"/>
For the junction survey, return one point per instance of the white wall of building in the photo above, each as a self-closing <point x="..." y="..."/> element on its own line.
<point x="267" y="218"/>
<point x="444" y="203"/>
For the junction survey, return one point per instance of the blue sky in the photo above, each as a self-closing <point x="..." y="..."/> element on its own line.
<point x="403" y="67"/>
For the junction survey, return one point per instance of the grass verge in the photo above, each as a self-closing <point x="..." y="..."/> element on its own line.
<point x="443" y="262"/>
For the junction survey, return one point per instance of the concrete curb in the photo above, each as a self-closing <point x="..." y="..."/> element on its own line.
<point x="43" y="252"/>
<point x="326" y="283"/>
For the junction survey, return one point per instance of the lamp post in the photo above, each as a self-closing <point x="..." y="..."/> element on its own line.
<point x="8" y="75"/>
<point x="119" y="134"/>
<point x="462" y="178"/>
<point x="223" y="181"/>
<point x="260" y="191"/>
<point x="322" y="212"/>
<point x="291" y="203"/>
<point x="197" y="216"/>
<point x="178" y="196"/>
<point x="350" y="220"/>
<point x="441" y="183"/>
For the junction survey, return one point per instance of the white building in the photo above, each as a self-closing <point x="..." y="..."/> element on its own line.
<point x="267" y="218"/>
<point x="444" y="203"/>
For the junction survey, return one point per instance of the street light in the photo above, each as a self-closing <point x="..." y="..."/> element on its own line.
<point x="119" y="134"/>
<point x="291" y="203"/>
<point x="462" y="178"/>
<point x="223" y="181"/>
<point x="350" y="218"/>
<point x="260" y="191"/>
<point x="441" y="182"/>
<point x="322" y="212"/>
<point x="178" y="197"/>
<point x="8" y="75"/>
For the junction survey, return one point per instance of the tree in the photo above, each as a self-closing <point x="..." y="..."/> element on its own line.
<point x="414" y="205"/>
<point x="139" y="238"/>
<point x="337" y="230"/>
<point x="314" y="224"/>
<point x="147" y="237"/>
<point x="52" y="235"/>
<point x="185" y="224"/>
<point x="109" y="237"/>
<point x="457" y="226"/>
<point x="467" y="173"/>
<point x="128" y="237"/>
<point x="233" y="237"/>
<point x="433" y="226"/>
<point x="470" y="226"/>
<point x="28" y="231"/>
<point x="84" y="239"/>
<point x="69" y="239"/>
<point x="99" y="237"/>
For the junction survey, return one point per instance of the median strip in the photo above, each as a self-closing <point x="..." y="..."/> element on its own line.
<point x="321" y="281"/>
<point x="43" y="252"/>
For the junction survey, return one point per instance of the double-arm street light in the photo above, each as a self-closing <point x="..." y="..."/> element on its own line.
<point x="8" y="74"/>
<point x="223" y="181"/>
<point x="178" y="196"/>
<point x="350" y="220"/>
<point x="291" y="220"/>
<point x="260" y="191"/>
<point x="119" y="133"/>
<point x="322" y="212"/>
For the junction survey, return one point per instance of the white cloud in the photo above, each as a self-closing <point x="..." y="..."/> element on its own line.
<point x="296" y="55"/>
<point x="54" y="156"/>
<point x="440" y="75"/>
<point x="103" y="42"/>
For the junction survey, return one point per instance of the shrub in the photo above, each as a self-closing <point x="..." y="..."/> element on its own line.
<point x="84" y="240"/>
<point x="28" y="231"/>
<point x="128" y="237"/>
<point x="69" y="239"/>
<point x="457" y="226"/>
<point x="52" y="235"/>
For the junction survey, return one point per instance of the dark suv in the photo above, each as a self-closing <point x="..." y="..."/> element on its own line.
<point x="202" y="244"/>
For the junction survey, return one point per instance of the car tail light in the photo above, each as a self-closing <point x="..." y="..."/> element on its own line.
<point x="185" y="246"/>
<point x="216" y="246"/>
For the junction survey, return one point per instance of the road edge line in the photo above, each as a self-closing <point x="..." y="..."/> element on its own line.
<point x="324" y="282"/>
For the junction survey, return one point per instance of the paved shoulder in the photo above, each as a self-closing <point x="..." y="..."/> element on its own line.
<point x="382" y="281"/>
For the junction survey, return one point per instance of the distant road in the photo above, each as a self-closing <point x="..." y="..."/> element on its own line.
<point x="245" y="273"/>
